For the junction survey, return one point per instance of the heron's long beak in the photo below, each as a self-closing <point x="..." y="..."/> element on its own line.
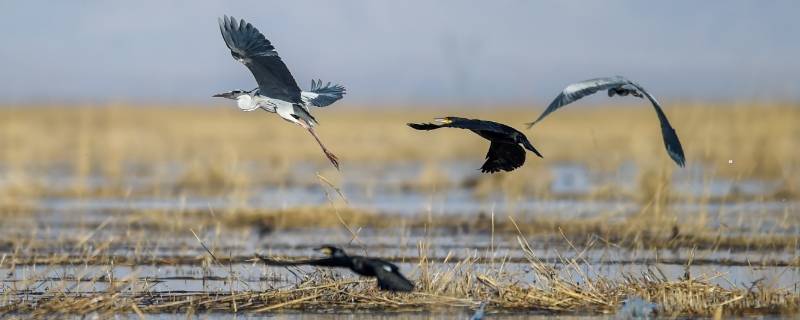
<point x="221" y="95"/>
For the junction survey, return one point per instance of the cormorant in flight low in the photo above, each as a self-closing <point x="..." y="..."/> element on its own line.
<point x="505" y="152"/>
<point x="277" y="92"/>
<point x="388" y="275"/>
<point x="618" y="85"/>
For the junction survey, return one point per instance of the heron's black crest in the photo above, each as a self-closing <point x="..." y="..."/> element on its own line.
<point x="506" y="151"/>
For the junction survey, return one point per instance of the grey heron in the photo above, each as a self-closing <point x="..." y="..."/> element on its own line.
<point x="277" y="91"/>
<point x="621" y="86"/>
<point x="504" y="153"/>
<point x="388" y="275"/>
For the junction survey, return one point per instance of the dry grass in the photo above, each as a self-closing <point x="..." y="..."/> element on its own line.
<point x="456" y="285"/>
<point x="221" y="148"/>
<point x="644" y="231"/>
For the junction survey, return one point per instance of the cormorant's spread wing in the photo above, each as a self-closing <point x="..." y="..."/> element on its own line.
<point x="671" y="141"/>
<point x="503" y="156"/>
<point x="579" y="90"/>
<point x="469" y="124"/>
<point x="424" y="126"/>
<point x="250" y="47"/>
<point x="390" y="278"/>
<point x="323" y="262"/>
<point x="322" y="96"/>
<point x="481" y="125"/>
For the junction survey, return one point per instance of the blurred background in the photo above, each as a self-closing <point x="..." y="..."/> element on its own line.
<point x="410" y="52"/>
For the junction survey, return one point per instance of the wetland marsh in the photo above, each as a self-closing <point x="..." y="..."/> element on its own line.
<point x="123" y="209"/>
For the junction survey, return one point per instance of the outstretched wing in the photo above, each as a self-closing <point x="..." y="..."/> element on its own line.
<point x="390" y="278"/>
<point x="469" y="124"/>
<point x="671" y="141"/>
<point x="250" y="47"/>
<point x="503" y="156"/>
<point x="579" y="90"/>
<point x="424" y="126"/>
<point x="324" y="262"/>
<point x="322" y="96"/>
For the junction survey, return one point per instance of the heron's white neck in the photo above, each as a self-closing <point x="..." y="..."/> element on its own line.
<point x="246" y="103"/>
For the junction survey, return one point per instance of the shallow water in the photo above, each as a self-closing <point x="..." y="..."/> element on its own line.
<point x="89" y="227"/>
<point x="383" y="189"/>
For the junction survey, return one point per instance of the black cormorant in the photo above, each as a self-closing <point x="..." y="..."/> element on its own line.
<point x="388" y="275"/>
<point x="504" y="153"/>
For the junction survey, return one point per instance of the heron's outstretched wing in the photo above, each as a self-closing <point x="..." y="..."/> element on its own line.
<point x="322" y="96"/>
<point x="390" y="278"/>
<point x="671" y="141"/>
<point x="250" y="47"/>
<point x="503" y="156"/>
<point x="323" y="262"/>
<point x="579" y="90"/>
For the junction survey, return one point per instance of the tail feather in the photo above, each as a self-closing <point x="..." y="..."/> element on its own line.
<point x="322" y="96"/>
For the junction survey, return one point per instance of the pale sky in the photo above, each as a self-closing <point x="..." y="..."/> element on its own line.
<point x="388" y="52"/>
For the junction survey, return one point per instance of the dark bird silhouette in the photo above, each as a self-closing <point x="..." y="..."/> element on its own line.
<point x="504" y="153"/>
<point x="388" y="275"/>
<point x="618" y="85"/>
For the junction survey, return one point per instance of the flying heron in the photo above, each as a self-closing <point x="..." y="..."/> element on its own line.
<point x="618" y="85"/>
<point x="504" y="153"/>
<point x="277" y="91"/>
<point x="388" y="275"/>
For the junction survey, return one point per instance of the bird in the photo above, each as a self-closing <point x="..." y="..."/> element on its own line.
<point x="618" y="85"/>
<point x="387" y="273"/>
<point x="277" y="91"/>
<point x="504" y="153"/>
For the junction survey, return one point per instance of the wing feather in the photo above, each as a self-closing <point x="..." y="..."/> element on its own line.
<point x="250" y="47"/>
<point x="503" y="156"/>
<point x="390" y="278"/>
<point x="469" y="124"/>
<point x="323" y="96"/>
<point x="424" y="126"/>
<point x="581" y="89"/>
<point x="671" y="141"/>
<point x="324" y="262"/>
<point x="575" y="91"/>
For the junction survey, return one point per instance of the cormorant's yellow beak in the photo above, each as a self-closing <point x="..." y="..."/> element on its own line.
<point x="326" y="251"/>
<point x="443" y="120"/>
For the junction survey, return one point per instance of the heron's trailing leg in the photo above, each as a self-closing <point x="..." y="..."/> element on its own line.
<point x="332" y="157"/>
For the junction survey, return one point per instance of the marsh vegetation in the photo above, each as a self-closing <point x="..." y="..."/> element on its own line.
<point x="160" y="209"/>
